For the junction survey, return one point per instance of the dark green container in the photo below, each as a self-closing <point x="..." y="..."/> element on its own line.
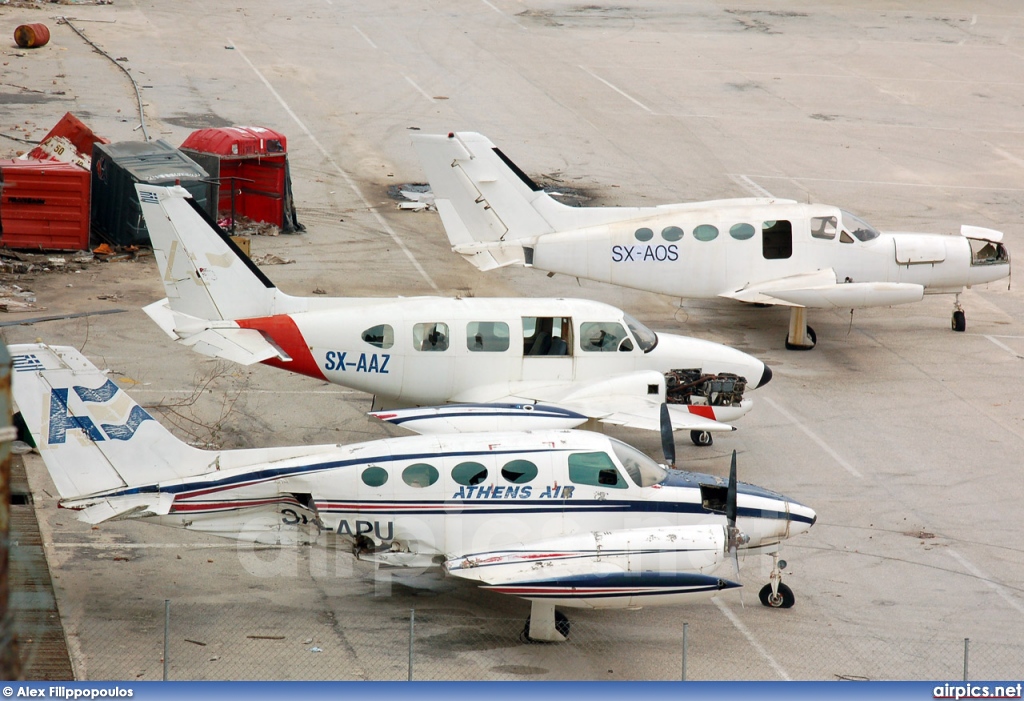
<point x="116" y="214"/>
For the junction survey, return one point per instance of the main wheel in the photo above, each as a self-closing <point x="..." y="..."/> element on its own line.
<point x="959" y="321"/>
<point x="702" y="438"/>
<point x="811" y="336"/>
<point x="784" y="600"/>
<point x="561" y="625"/>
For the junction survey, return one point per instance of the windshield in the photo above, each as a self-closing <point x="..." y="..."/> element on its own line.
<point x="640" y="468"/>
<point x="858" y="227"/>
<point x="645" y="338"/>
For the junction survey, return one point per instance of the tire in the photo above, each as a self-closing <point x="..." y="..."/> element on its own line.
<point x="959" y="321"/>
<point x="811" y="336"/>
<point x="785" y="600"/>
<point x="702" y="438"/>
<point x="561" y="625"/>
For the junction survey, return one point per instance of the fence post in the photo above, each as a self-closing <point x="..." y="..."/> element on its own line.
<point x="167" y="634"/>
<point x="685" y="628"/>
<point x="412" y="626"/>
<point x="967" y="648"/>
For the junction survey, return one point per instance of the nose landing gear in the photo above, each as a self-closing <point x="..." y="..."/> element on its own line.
<point x="959" y="322"/>
<point x="775" y="594"/>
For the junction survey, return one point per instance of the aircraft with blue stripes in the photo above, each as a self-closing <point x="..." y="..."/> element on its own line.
<point x="584" y="360"/>
<point x="557" y="517"/>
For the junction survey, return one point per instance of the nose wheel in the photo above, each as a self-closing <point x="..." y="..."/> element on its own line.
<point x="775" y="594"/>
<point x="959" y="322"/>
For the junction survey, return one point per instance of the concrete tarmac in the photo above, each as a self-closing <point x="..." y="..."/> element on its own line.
<point x="905" y="437"/>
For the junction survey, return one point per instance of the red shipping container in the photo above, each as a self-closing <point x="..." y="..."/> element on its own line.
<point x="44" y="205"/>
<point x="252" y="163"/>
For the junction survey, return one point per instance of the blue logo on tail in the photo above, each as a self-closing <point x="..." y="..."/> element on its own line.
<point x="61" y="420"/>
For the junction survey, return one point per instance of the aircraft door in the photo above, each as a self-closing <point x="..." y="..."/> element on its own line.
<point x="359" y="520"/>
<point x="429" y="367"/>
<point x="547" y="348"/>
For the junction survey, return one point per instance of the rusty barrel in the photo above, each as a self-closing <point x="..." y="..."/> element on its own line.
<point x="31" y="36"/>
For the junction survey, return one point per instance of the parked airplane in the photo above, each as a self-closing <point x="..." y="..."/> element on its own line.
<point x="569" y="518"/>
<point x="757" y="250"/>
<point x="584" y="360"/>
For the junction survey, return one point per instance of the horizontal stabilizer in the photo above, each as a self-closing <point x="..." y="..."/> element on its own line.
<point x="119" y="508"/>
<point x="214" y="339"/>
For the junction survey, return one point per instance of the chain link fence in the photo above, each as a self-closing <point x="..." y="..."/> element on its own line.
<point x="426" y="645"/>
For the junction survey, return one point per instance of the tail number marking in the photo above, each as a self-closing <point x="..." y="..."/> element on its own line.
<point x="367" y="362"/>
<point x="645" y="254"/>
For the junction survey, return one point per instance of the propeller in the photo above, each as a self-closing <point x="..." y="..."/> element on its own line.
<point x="735" y="537"/>
<point x="668" y="441"/>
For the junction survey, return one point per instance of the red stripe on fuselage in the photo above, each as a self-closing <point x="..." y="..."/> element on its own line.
<point x="286" y="334"/>
<point x="701" y="410"/>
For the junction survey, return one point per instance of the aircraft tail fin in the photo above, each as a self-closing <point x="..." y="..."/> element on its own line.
<point x="204" y="273"/>
<point x="491" y="210"/>
<point x="101" y="448"/>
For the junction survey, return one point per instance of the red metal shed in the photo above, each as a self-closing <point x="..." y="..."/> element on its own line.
<point x="44" y="205"/>
<point x="251" y="165"/>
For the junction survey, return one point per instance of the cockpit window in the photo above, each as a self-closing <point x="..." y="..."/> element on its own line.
<point x="645" y="338"/>
<point x="595" y="470"/>
<point x="604" y="337"/>
<point x="641" y="469"/>
<point x="858" y="227"/>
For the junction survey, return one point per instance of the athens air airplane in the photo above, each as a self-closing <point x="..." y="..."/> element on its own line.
<point x="582" y="360"/>
<point x="757" y="250"/>
<point x="557" y="517"/>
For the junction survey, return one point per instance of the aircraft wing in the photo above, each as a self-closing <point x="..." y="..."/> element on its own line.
<point x="602" y="569"/>
<point x="820" y="289"/>
<point x="217" y="339"/>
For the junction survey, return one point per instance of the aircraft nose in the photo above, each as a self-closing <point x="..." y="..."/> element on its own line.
<point x="766" y="377"/>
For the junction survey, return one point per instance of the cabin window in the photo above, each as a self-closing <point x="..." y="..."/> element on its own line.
<point x="430" y="337"/>
<point x="519" y="471"/>
<point x="705" y="232"/>
<point x="596" y="470"/>
<point x="823" y="227"/>
<point x="487" y="336"/>
<point x="644" y="234"/>
<point x="604" y="337"/>
<point x="374" y="476"/>
<point x="420" y="475"/>
<point x="382" y="336"/>
<point x="547" y="335"/>
<point x="671" y="233"/>
<point x="469" y="473"/>
<point x="741" y="232"/>
<point x="777" y="239"/>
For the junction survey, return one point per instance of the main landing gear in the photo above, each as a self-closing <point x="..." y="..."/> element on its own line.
<point x="701" y="438"/>
<point x="545" y="624"/>
<point x="959" y="322"/>
<point x="775" y="594"/>
<point x="800" y="336"/>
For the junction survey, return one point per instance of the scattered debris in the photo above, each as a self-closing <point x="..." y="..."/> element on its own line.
<point x="315" y="649"/>
<point x="266" y="637"/>
<point x="195" y="642"/>
<point x="271" y="259"/>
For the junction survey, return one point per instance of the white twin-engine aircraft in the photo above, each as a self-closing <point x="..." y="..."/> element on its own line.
<point x="572" y="518"/>
<point x="763" y="251"/>
<point x="580" y="360"/>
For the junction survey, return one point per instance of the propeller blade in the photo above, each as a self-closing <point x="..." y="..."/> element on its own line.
<point x="668" y="441"/>
<point x="730" y="500"/>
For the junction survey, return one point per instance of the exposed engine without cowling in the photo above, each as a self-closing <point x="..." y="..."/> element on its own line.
<point x="695" y="388"/>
